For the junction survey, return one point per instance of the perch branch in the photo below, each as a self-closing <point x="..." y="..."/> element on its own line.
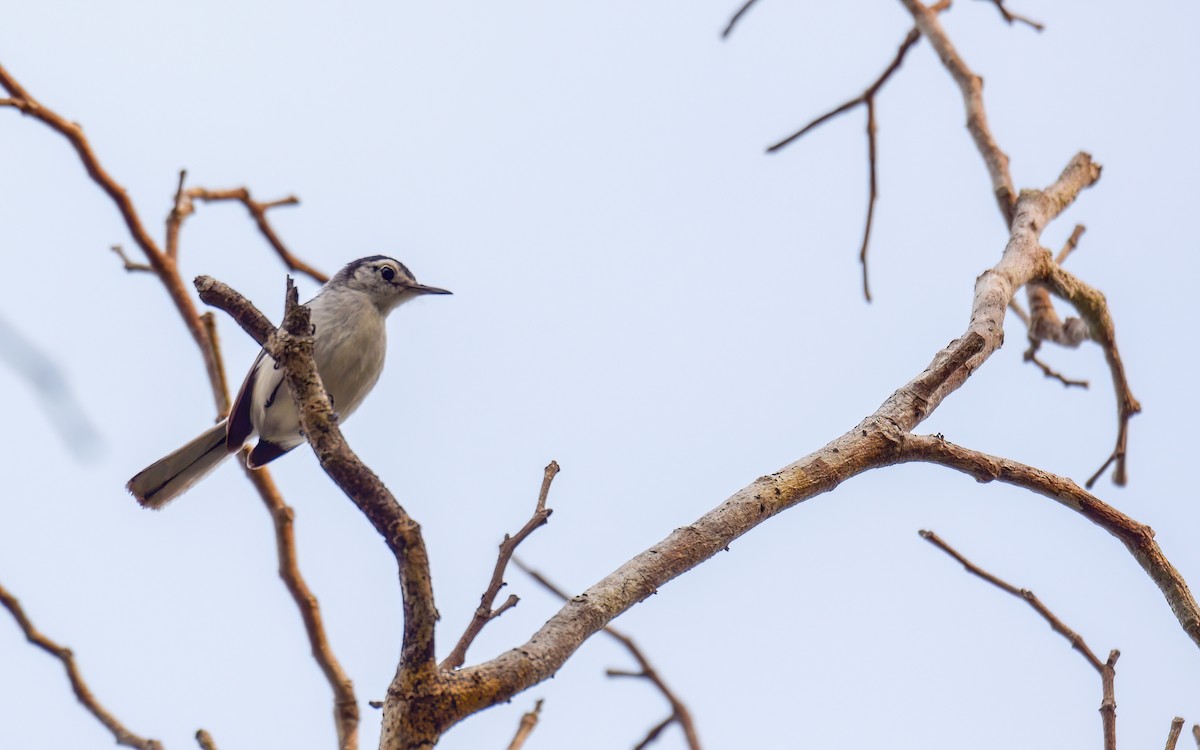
<point x="679" y="711"/>
<point x="84" y="694"/>
<point x="528" y="721"/>
<point x="484" y="612"/>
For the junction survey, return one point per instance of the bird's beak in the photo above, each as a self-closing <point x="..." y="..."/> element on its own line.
<point x="422" y="289"/>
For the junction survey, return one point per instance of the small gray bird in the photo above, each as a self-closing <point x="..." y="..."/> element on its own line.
<point x="349" y="343"/>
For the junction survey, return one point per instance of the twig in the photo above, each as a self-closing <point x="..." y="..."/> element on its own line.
<point x="122" y="735"/>
<point x="1057" y="625"/>
<point x="528" y="722"/>
<point x="736" y="17"/>
<point x="679" y="711"/>
<point x="127" y="263"/>
<point x="1108" y="703"/>
<point x="1011" y="17"/>
<point x="867" y="98"/>
<point x="1031" y="356"/>
<point x="1173" y="734"/>
<point x="1071" y="243"/>
<point x="205" y="740"/>
<point x="258" y="212"/>
<point x="484" y="612"/>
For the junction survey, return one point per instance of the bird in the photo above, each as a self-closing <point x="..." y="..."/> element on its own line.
<point x="349" y="342"/>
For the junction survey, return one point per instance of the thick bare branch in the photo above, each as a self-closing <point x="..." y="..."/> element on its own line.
<point x="123" y="736"/>
<point x="679" y="711"/>
<point x="484" y="612"/>
<point x="243" y="312"/>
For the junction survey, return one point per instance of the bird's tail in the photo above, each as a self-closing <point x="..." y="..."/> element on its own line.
<point x="167" y="478"/>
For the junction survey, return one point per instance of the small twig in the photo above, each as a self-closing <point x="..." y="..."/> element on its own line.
<point x="528" y="722"/>
<point x="679" y="712"/>
<point x="1173" y="734"/>
<point x="1011" y="17"/>
<point x="867" y="98"/>
<point x="1071" y="243"/>
<point x="205" y="740"/>
<point x="1108" y="703"/>
<point x="1196" y="734"/>
<point x="129" y="265"/>
<point x="484" y="612"/>
<point x="1031" y="356"/>
<point x="122" y="735"/>
<point x="181" y="208"/>
<point x="736" y="17"/>
<point x="258" y="212"/>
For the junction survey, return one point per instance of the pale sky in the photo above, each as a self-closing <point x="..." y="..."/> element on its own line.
<point x="641" y="294"/>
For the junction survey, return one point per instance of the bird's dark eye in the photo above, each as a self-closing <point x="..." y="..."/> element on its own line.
<point x="388" y="273"/>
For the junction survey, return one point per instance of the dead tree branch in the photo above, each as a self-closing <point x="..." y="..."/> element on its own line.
<point x="162" y="262"/>
<point x="1137" y="537"/>
<point x="205" y="740"/>
<point x="867" y="98"/>
<point x="528" y="721"/>
<point x="1108" y="703"/>
<point x="1173" y="734"/>
<point x="1010" y="18"/>
<point x="737" y="17"/>
<point x="484" y="612"/>
<point x="679" y="711"/>
<point x="123" y="736"/>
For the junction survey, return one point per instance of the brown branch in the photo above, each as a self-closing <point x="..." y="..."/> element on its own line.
<point x="736" y="17"/>
<point x="1137" y="537"/>
<point x="129" y="265"/>
<point x="1174" y="732"/>
<point x="1070" y="245"/>
<point x="484" y="612"/>
<point x="867" y="98"/>
<point x="1196" y="734"/>
<point x="1031" y="356"/>
<point x="84" y="694"/>
<point x="162" y="264"/>
<point x="1010" y="17"/>
<point x="205" y="740"/>
<point x="408" y="720"/>
<point x="258" y="212"/>
<point x="1057" y="625"/>
<point x="528" y="722"/>
<point x="1108" y="703"/>
<point x="971" y="87"/>
<point x="679" y="711"/>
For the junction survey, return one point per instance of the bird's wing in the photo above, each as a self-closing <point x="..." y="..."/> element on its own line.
<point x="240" y="426"/>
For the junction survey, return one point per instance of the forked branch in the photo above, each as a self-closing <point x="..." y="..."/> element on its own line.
<point x="484" y="612"/>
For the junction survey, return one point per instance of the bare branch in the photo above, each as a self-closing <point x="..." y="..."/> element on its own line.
<point x="205" y="740"/>
<point x="1196" y="734"/>
<point x="1137" y="537"/>
<point x="528" y="721"/>
<point x="1057" y="625"/>
<point x="1173" y="734"/>
<point x="1011" y="17"/>
<point x="244" y="313"/>
<point x="122" y="735"/>
<point x="1108" y="703"/>
<point x="258" y="212"/>
<point x="1070" y="245"/>
<point x="971" y="87"/>
<point x="737" y="17"/>
<point x="484" y="612"/>
<point x="679" y="711"/>
<point x="1031" y="356"/>
<point x="867" y="98"/>
<point x="127" y="263"/>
